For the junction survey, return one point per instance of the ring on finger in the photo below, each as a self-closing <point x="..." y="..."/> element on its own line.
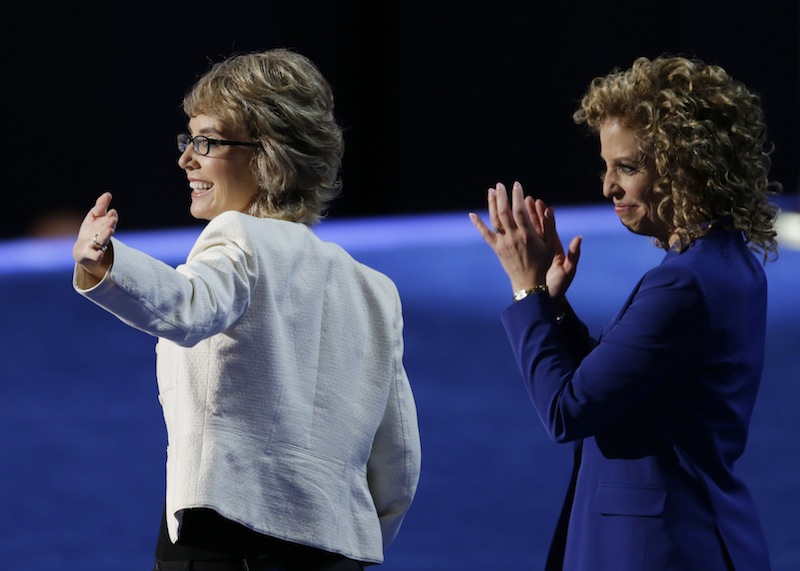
<point x="499" y="229"/>
<point x="101" y="247"/>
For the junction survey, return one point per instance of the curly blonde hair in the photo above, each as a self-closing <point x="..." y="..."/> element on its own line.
<point x="707" y="137"/>
<point x="280" y="99"/>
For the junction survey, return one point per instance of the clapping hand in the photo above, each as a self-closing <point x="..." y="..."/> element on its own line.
<point x="526" y="242"/>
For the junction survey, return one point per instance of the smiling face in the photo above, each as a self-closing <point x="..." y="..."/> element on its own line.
<point x="222" y="180"/>
<point x="628" y="181"/>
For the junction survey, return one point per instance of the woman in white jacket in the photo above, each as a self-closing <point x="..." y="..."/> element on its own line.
<point x="292" y="429"/>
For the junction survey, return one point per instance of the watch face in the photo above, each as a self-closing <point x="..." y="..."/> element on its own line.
<point x="523" y="293"/>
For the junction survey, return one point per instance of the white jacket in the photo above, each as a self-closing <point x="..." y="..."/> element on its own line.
<point x="280" y="374"/>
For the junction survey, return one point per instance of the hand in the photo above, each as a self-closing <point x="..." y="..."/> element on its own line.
<point x="564" y="265"/>
<point x="91" y="247"/>
<point x="523" y="239"/>
<point x="526" y="242"/>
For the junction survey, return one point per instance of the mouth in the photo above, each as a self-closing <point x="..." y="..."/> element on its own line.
<point x="199" y="188"/>
<point x="620" y="208"/>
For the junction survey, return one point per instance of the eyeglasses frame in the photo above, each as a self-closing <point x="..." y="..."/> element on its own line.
<point x="210" y="141"/>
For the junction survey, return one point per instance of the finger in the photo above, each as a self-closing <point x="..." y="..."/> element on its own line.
<point x="494" y="219"/>
<point x="518" y="208"/>
<point x="569" y="262"/>
<point x="504" y="215"/>
<point x="90" y="254"/>
<point x="106" y="229"/>
<point x="549" y="235"/>
<point x="491" y="201"/>
<point x="101" y="205"/>
<point x="483" y="230"/>
<point x="113" y="220"/>
<point x="559" y="248"/>
<point x="573" y="253"/>
<point x="536" y="213"/>
<point x="98" y="241"/>
<point x="87" y="246"/>
<point x="101" y="239"/>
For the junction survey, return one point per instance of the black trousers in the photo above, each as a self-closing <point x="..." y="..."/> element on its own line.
<point x="276" y="562"/>
<point x="210" y="542"/>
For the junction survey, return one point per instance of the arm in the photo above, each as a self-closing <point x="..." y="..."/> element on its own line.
<point x="574" y="333"/>
<point x="640" y="356"/>
<point x="185" y="305"/>
<point x="395" y="460"/>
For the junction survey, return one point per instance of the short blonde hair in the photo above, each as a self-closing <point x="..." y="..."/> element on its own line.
<point x="280" y="99"/>
<point x="707" y="136"/>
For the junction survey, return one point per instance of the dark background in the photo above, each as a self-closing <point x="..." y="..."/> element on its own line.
<point x="439" y="100"/>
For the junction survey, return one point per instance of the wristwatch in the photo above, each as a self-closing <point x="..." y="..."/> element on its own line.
<point x="523" y="293"/>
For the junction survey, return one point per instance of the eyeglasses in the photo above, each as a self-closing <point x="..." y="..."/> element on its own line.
<point x="202" y="145"/>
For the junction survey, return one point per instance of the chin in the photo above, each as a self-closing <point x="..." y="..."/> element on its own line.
<point x="630" y="227"/>
<point x="199" y="213"/>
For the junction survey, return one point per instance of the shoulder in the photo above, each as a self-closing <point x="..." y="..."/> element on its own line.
<point x="715" y="267"/>
<point x="289" y="240"/>
<point x="233" y="221"/>
<point x="676" y="271"/>
<point x="673" y="288"/>
<point x="721" y="256"/>
<point x="246" y="231"/>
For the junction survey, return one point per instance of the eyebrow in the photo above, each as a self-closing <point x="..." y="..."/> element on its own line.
<point x="207" y="131"/>
<point x="639" y="158"/>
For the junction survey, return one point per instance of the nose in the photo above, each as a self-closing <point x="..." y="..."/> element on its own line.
<point x="187" y="159"/>
<point x="611" y="187"/>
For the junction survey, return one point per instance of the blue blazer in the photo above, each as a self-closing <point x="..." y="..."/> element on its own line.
<point x="658" y="409"/>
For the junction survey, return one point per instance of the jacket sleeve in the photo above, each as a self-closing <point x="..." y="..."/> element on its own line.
<point x="185" y="304"/>
<point x="645" y="350"/>
<point x="575" y="335"/>
<point x="395" y="460"/>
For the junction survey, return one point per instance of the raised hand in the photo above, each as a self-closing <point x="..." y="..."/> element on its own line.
<point x="564" y="265"/>
<point x="91" y="246"/>
<point x="520" y="235"/>
<point x="526" y="242"/>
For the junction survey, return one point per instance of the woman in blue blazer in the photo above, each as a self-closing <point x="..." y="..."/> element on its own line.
<point x="659" y="405"/>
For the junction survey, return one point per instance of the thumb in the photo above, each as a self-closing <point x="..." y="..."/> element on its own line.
<point x="574" y="251"/>
<point x="101" y="205"/>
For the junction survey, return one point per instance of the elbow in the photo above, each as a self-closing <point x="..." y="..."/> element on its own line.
<point x="189" y="340"/>
<point x="183" y="338"/>
<point x="557" y="433"/>
<point x="562" y="436"/>
<point x="562" y="429"/>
